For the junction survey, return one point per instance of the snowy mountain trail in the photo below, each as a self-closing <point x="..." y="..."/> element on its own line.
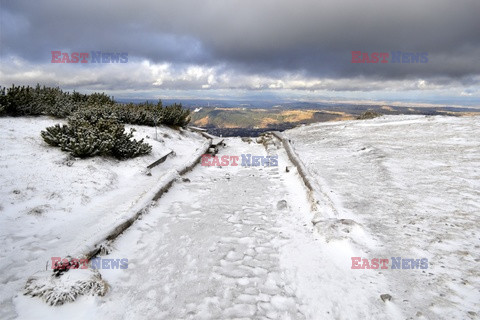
<point x="237" y="242"/>
<point x="217" y="252"/>
<point x="224" y="243"/>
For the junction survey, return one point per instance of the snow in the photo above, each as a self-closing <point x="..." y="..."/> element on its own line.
<point x="54" y="206"/>
<point x="238" y="242"/>
<point x="65" y="289"/>
<point x="214" y="254"/>
<point x="412" y="184"/>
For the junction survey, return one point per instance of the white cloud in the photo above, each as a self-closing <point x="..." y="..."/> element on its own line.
<point x="147" y="76"/>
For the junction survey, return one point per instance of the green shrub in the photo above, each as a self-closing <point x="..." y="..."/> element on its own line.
<point x="23" y="101"/>
<point x="91" y="132"/>
<point x="175" y="115"/>
<point x="29" y="101"/>
<point x="99" y="98"/>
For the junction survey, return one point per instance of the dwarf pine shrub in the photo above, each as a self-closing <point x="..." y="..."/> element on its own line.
<point x="95" y="121"/>
<point x="29" y="101"/>
<point x="91" y="132"/>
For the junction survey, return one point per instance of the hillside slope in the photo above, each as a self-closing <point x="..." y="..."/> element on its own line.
<point x="52" y="205"/>
<point x="412" y="184"/>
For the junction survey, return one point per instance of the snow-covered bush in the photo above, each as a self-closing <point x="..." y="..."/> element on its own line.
<point x="66" y="288"/>
<point x="91" y="132"/>
<point x="62" y="106"/>
<point x="150" y="114"/>
<point x="21" y="101"/>
<point x="175" y="115"/>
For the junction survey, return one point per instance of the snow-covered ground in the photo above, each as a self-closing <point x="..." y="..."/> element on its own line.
<point x="221" y="244"/>
<point x="51" y="205"/>
<point x="412" y="183"/>
<point x="212" y="248"/>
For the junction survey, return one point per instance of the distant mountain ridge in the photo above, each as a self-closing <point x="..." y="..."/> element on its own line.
<point x="243" y="121"/>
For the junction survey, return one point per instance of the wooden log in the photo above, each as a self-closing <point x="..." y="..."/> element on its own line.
<point x="197" y="129"/>
<point x="217" y="142"/>
<point x="161" y="160"/>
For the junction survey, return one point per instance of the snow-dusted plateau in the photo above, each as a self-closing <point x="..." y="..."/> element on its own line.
<point x="237" y="242"/>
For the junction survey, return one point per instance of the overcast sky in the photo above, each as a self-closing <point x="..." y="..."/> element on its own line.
<point x="298" y="49"/>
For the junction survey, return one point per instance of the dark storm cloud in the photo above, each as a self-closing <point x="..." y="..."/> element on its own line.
<point x="269" y="37"/>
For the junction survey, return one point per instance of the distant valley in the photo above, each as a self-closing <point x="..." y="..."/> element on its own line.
<point x="249" y="120"/>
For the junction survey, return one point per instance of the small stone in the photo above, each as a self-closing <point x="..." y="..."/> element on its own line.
<point x="185" y="180"/>
<point x="385" y="297"/>
<point x="282" y="204"/>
